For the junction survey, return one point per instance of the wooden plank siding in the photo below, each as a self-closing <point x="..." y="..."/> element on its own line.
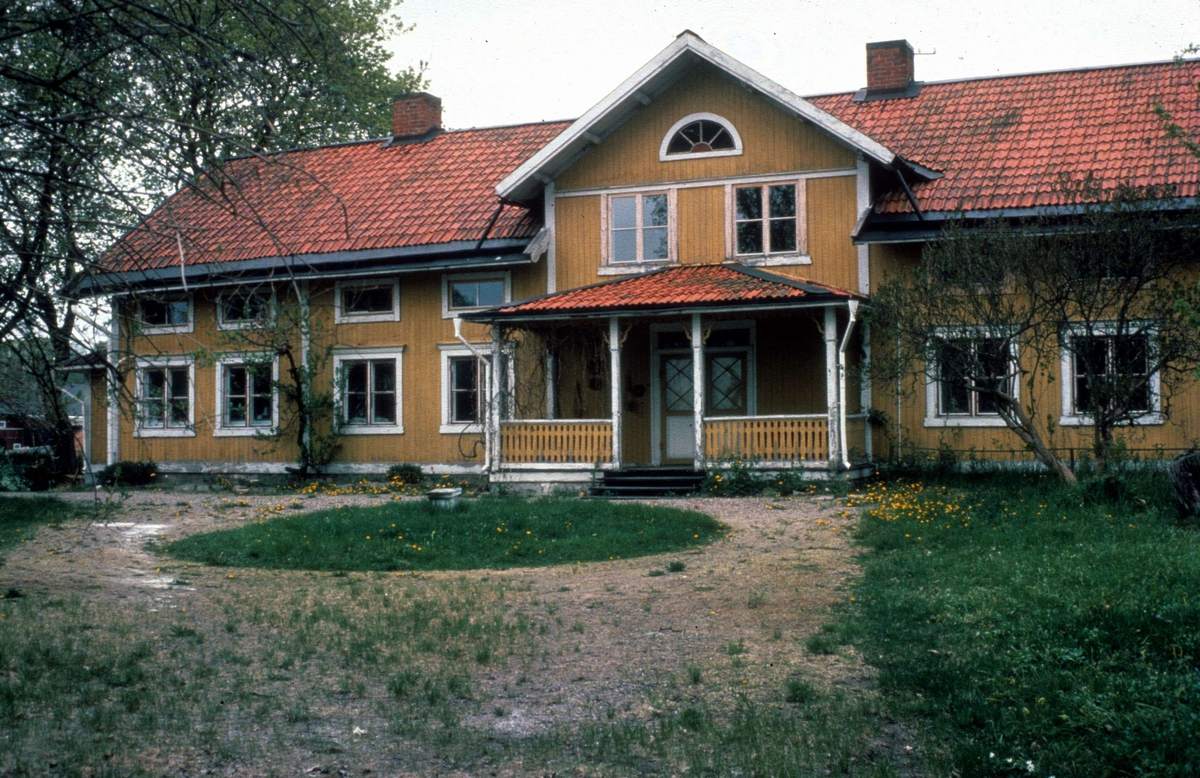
<point x="1181" y="430"/>
<point x="420" y="331"/>
<point x="98" y="418"/>
<point x="774" y="141"/>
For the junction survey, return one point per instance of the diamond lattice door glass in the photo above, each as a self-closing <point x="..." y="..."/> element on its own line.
<point x="727" y="385"/>
<point x="677" y="408"/>
<point x="679" y="384"/>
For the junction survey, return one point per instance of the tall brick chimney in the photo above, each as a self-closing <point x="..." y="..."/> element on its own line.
<point x="889" y="66"/>
<point x="416" y="115"/>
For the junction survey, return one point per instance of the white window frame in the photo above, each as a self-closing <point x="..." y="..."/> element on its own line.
<point x="800" y="255"/>
<point x="933" y="415"/>
<point x="341" y="316"/>
<point x="640" y="265"/>
<point x="737" y="150"/>
<point x="343" y="356"/>
<point x="1068" y="417"/>
<point x="222" y="324"/>
<point x="220" y="430"/>
<point x="158" y="363"/>
<point x="449" y="312"/>
<point x="169" y="329"/>
<point x="483" y="350"/>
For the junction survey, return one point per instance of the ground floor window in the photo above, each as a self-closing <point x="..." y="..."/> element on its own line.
<point x="246" y="396"/>
<point x="165" y="397"/>
<point x="368" y="391"/>
<point x="464" y="390"/>
<point x="465" y="375"/>
<point x="1108" y="370"/>
<point x="967" y="368"/>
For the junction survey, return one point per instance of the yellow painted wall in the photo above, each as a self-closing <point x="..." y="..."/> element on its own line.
<point x="774" y="142"/>
<point x="98" y="434"/>
<point x="1180" y="431"/>
<point x="420" y="331"/>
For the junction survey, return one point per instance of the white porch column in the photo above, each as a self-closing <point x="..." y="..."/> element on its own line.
<point x="551" y="380"/>
<point x="833" y="424"/>
<point x="495" y="385"/>
<point x="614" y="379"/>
<point x="698" y="390"/>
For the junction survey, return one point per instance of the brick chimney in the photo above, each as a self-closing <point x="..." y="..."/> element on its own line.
<point x="889" y="66"/>
<point x="415" y="116"/>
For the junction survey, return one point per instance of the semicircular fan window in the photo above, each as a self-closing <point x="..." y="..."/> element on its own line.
<point x="701" y="136"/>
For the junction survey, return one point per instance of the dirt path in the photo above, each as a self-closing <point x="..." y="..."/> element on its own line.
<point x="741" y="610"/>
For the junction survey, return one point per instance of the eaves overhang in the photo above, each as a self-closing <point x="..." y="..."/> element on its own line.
<point x="493" y="316"/>
<point x="642" y="87"/>
<point x="883" y="228"/>
<point x="500" y="252"/>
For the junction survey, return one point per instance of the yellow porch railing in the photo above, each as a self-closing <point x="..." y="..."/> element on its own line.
<point x="581" y="442"/>
<point x="767" y="438"/>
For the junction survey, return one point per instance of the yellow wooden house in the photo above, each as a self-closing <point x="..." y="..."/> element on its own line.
<point x="673" y="280"/>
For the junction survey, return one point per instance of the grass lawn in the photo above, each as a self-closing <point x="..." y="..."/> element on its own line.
<point x="1031" y="629"/>
<point x="482" y="534"/>
<point x="265" y="673"/>
<point x="21" y="516"/>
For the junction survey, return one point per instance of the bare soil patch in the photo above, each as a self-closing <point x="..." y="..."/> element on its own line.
<point x="617" y="641"/>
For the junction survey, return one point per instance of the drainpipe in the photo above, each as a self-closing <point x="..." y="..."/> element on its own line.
<point x="113" y="432"/>
<point x="487" y="428"/>
<point x="853" y="304"/>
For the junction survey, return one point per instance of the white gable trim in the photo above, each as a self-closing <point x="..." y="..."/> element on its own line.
<point x="613" y="109"/>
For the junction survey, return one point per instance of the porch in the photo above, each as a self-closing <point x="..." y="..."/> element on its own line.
<point x="772" y="383"/>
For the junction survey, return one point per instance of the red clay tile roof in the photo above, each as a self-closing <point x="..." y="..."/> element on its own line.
<point x="342" y="198"/>
<point x="1010" y="141"/>
<point x="675" y="287"/>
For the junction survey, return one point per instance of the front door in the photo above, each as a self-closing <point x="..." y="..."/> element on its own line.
<point x="679" y="439"/>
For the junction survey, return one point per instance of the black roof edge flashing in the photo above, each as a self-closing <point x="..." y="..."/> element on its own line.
<point x="466" y="254"/>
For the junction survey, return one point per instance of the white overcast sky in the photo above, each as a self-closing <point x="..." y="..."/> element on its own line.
<point x="506" y="61"/>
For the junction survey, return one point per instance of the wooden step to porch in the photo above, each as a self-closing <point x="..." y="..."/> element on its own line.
<point x="630" y="483"/>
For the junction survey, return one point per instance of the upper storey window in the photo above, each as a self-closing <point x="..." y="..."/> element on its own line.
<point x="639" y="231"/>
<point x="700" y="135"/>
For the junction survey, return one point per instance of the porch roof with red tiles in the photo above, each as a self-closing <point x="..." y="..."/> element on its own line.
<point x="1016" y="141"/>
<point x="350" y="197"/>
<point x="687" y="286"/>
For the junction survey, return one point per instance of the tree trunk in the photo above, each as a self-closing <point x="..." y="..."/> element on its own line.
<point x="1020" y="423"/>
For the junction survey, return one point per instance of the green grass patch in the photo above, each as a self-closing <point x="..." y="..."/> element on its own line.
<point x="1034" y="629"/>
<point x="21" y="516"/>
<point x="486" y="533"/>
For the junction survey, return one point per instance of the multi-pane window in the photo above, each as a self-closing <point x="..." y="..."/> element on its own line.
<point x="1110" y="369"/>
<point x="766" y="219"/>
<point x="370" y="395"/>
<point x="464" y="388"/>
<point x="238" y="308"/>
<point x="367" y="300"/>
<point x="164" y="312"/>
<point x="166" y="397"/>
<point x="248" y="396"/>
<point x="638" y="228"/>
<point x="969" y="371"/>
<point x="476" y="293"/>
